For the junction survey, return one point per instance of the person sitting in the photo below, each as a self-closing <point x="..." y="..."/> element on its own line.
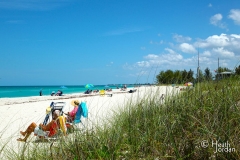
<point x="87" y="91"/>
<point x="53" y="93"/>
<point x="95" y="91"/>
<point x="71" y="114"/>
<point x="51" y="127"/>
<point x="59" y="93"/>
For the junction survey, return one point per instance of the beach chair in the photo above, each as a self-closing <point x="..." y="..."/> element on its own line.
<point x="132" y="91"/>
<point x="102" y="92"/>
<point x="81" y="112"/>
<point x="49" y="111"/>
<point x="53" y="106"/>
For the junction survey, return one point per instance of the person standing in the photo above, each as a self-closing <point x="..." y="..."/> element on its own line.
<point x="40" y="93"/>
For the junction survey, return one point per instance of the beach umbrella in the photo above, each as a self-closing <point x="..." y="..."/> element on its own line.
<point x="63" y="87"/>
<point x="89" y="86"/>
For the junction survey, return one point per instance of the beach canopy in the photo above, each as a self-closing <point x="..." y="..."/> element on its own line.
<point x="89" y="86"/>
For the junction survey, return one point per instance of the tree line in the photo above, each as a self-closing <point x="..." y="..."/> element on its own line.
<point x="180" y="77"/>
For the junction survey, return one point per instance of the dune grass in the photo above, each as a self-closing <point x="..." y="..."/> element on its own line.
<point x="185" y="126"/>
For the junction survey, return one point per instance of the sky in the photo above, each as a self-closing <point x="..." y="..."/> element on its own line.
<point x="75" y="42"/>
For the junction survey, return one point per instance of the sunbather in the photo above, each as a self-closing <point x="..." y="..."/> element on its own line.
<point x="71" y="115"/>
<point x="59" y="93"/>
<point x="52" y="127"/>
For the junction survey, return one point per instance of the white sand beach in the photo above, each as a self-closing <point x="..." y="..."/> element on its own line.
<point x="18" y="113"/>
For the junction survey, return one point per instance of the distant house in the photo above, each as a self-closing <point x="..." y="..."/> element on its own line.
<point x="224" y="75"/>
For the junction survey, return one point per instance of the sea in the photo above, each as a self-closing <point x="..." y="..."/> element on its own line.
<point x="28" y="91"/>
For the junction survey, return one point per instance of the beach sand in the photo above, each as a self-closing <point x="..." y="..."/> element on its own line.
<point x="18" y="113"/>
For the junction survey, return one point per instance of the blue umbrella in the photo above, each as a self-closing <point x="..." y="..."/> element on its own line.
<point x="89" y="86"/>
<point x="63" y="87"/>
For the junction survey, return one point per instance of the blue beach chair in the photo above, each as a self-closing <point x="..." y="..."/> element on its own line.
<point x="81" y="112"/>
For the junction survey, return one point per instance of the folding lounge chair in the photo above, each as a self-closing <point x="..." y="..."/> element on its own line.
<point x="81" y="112"/>
<point x="102" y="92"/>
<point x="53" y="107"/>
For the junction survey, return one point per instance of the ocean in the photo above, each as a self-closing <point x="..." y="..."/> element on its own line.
<point x="28" y="91"/>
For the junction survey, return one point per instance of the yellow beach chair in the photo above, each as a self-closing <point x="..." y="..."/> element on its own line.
<point x="102" y="92"/>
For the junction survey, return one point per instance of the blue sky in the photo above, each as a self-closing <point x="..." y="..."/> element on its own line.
<point x="74" y="42"/>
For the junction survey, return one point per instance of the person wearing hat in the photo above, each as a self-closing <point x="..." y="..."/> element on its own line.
<point x="51" y="127"/>
<point x="71" y="115"/>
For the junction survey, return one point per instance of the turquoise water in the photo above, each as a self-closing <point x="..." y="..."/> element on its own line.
<point x="27" y="91"/>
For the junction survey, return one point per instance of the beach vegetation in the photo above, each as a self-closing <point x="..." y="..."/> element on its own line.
<point x="202" y="122"/>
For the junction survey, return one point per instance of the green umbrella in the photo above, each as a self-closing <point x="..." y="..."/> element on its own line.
<point x="89" y="86"/>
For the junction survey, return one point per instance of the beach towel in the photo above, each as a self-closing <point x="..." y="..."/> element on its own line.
<point x="62" y="122"/>
<point x="84" y="109"/>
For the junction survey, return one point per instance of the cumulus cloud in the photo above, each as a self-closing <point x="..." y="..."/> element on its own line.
<point x="235" y="16"/>
<point x="169" y="58"/>
<point x="157" y="43"/>
<point x="181" y="39"/>
<point x="187" y="48"/>
<point x="231" y="42"/>
<point x="206" y="54"/>
<point x="143" y="64"/>
<point x="223" y="46"/>
<point x="223" y="52"/>
<point x="151" y="56"/>
<point x="217" y="20"/>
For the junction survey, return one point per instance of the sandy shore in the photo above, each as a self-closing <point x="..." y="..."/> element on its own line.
<point x="18" y="113"/>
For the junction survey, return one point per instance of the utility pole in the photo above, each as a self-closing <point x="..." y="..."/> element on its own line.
<point x="218" y="70"/>
<point x="198" y="66"/>
<point x="198" y="71"/>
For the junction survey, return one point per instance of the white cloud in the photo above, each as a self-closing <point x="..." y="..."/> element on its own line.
<point x="151" y="56"/>
<point x="157" y="43"/>
<point x="143" y="64"/>
<point x="230" y="42"/>
<point x="143" y="48"/>
<point x="217" y="21"/>
<point x="223" y="52"/>
<point x="187" y="48"/>
<point x="169" y="58"/>
<point x="214" y="41"/>
<point x="235" y="36"/>
<point x="206" y="53"/>
<point x="226" y="47"/>
<point x="209" y="5"/>
<point x="170" y="51"/>
<point x="235" y="16"/>
<point x="181" y="39"/>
